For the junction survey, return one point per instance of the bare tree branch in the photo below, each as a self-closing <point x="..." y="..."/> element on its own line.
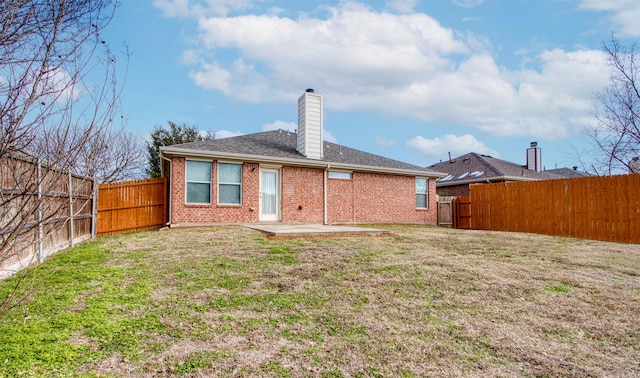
<point x="616" y="136"/>
<point x="59" y="97"/>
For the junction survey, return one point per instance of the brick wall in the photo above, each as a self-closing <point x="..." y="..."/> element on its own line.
<point x="302" y="195"/>
<point x="378" y="198"/>
<point x="181" y="212"/>
<point x="454" y="190"/>
<point x="367" y="197"/>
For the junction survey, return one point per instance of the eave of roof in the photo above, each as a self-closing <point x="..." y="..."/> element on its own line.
<point x="492" y="179"/>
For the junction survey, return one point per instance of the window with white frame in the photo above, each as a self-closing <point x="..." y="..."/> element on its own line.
<point x="344" y="175"/>
<point x="229" y="184"/>
<point x="422" y="193"/>
<point x="198" y="182"/>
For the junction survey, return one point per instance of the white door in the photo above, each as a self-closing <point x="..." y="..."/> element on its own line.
<point x="269" y="194"/>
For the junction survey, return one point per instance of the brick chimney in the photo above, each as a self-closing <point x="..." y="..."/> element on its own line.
<point x="310" y="125"/>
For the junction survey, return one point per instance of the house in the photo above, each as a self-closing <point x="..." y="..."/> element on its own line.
<point x="567" y="172"/>
<point x="281" y="176"/>
<point x="474" y="168"/>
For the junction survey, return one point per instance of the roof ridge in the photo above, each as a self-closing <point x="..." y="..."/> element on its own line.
<point x="486" y="164"/>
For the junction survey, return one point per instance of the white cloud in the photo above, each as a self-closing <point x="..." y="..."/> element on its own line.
<point x="343" y="54"/>
<point x="406" y="65"/>
<point x="174" y="8"/>
<point x="328" y="137"/>
<point x="195" y="8"/>
<point x="467" y="3"/>
<point x="293" y="127"/>
<point x="402" y="6"/>
<point x="624" y="14"/>
<point x="385" y="142"/>
<point x="456" y="145"/>
<point x="221" y="134"/>
<point x="60" y="86"/>
<point x="280" y="125"/>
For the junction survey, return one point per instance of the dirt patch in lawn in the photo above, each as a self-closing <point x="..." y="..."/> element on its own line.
<point x="425" y="301"/>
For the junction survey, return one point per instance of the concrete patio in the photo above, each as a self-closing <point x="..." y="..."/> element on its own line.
<point x="289" y="231"/>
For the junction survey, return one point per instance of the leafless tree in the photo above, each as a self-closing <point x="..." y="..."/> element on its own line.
<point x="59" y="97"/>
<point x="616" y="135"/>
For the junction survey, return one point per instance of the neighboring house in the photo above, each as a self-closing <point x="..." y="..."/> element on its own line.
<point x="280" y="176"/>
<point x="567" y="172"/>
<point x="474" y="168"/>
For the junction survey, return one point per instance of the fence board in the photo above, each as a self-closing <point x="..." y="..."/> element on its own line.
<point x="131" y="206"/>
<point x="600" y="208"/>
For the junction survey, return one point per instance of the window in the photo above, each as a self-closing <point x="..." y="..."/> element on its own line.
<point x="198" y="182"/>
<point x="422" y="193"/>
<point x="340" y="175"/>
<point x="229" y="184"/>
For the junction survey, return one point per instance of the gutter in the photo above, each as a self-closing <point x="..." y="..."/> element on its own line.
<point x="295" y="162"/>
<point x="487" y="180"/>
<point x="170" y="173"/>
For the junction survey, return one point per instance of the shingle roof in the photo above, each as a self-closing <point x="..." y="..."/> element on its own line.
<point x="567" y="172"/>
<point x="474" y="167"/>
<point x="282" y="144"/>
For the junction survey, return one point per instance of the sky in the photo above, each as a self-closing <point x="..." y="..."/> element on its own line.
<point x="412" y="80"/>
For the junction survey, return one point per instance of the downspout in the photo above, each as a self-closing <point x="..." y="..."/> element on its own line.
<point x="326" y="174"/>
<point x="170" y="173"/>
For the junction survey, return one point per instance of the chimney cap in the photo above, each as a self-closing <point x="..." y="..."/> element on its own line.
<point x="534" y="144"/>
<point x="310" y="90"/>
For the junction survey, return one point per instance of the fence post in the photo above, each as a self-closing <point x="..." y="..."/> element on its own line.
<point x="94" y="209"/>
<point x="71" y="230"/>
<point x="40" y="231"/>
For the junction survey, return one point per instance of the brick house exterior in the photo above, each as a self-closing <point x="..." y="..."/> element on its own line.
<point x="292" y="178"/>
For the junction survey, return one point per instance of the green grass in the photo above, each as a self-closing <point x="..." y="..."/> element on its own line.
<point x="425" y="302"/>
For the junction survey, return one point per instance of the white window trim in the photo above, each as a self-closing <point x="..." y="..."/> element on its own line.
<point x="241" y="164"/>
<point x="350" y="173"/>
<point x="425" y="193"/>
<point x="186" y="181"/>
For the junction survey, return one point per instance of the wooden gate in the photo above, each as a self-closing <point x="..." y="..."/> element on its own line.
<point x="454" y="212"/>
<point x="462" y="212"/>
<point x="445" y="211"/>
<point x="132" y="206"/>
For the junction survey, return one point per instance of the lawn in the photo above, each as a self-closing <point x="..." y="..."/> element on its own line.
<point x="426" y="301"/>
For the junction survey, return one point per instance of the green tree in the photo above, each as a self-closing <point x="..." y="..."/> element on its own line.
<point x="174" y="134"/>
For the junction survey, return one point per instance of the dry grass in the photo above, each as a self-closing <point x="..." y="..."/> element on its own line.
<point x="424" y="302"/>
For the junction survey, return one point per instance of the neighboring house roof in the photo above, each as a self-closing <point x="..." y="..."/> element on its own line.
<point x="279" y="147"/>
<point x="476" y="168"/>
<point x="567" y="172"/>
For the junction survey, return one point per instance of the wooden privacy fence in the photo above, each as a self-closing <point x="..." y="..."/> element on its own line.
<point x="600" y="208"/>
<point x="42" y="210"/>
<point x="132" y="206"/>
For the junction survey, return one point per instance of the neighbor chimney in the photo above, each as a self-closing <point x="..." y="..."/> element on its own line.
<point x="310" y="125"/>
<point x="534" y="157"/>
